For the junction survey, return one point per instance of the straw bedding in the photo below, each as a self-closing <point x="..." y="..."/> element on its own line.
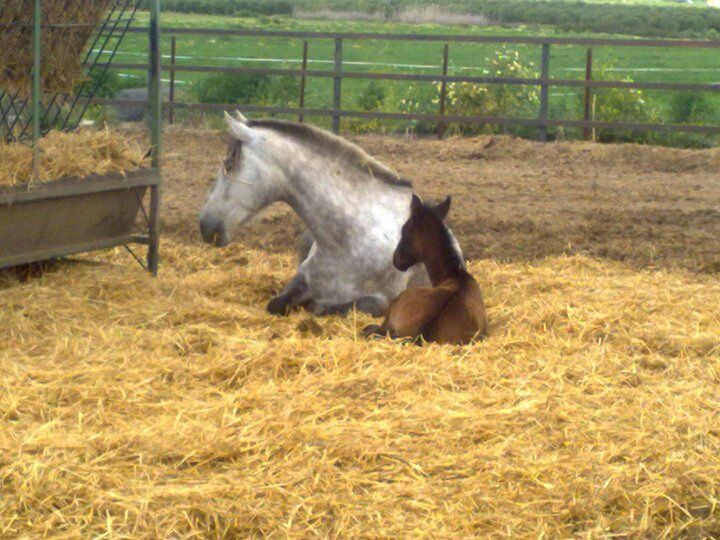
<point x="61" y="47"/>
<point x="176" y="407"/>
<point x="79" y="153"/>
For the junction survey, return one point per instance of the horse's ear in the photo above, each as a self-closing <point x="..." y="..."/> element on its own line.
<point x="442" y="209"/>
<point x="240" y="117"/>
<point x="240" y="131"/>
<point x="415" y="205"/>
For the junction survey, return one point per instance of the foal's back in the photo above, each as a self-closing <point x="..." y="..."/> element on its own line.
<point x="463" y="318"/>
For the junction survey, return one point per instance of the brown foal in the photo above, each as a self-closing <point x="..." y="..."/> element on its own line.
<point x="452" y="310"/>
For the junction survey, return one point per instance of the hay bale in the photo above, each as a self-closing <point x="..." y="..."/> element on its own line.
<point x="79" y="153"/>
<point x="61" y="47"/>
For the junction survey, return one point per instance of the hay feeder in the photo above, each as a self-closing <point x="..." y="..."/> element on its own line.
<point x="44" y="220"/>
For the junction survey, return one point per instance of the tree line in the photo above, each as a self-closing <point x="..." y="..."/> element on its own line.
<point x="640" y="20"/>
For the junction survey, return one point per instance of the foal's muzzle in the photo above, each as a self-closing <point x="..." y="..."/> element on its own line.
<point x="402" y="261"/>
<point x="213" y="232"/>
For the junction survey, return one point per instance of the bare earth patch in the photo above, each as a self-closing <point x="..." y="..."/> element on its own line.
<point x="515" y="200"/>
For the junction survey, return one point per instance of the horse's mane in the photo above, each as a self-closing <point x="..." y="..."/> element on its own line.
<point x="339" y="148"/>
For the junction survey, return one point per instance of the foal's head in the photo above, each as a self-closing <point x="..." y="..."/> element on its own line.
<point x="422" y="233"/>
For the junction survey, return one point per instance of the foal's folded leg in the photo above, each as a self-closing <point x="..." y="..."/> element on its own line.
<point x="375" y="330"/>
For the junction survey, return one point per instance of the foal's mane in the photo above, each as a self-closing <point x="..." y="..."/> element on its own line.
<point x="453" y="249"/>
<point x="332" y="145"/>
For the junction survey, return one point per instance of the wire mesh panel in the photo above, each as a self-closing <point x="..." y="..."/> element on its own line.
<point x="97" y="45"/>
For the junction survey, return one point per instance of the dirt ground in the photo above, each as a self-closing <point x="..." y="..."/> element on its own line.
<point x="514" y="200"/>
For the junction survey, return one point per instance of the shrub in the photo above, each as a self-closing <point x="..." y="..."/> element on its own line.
<point x="625" y="105"/>
<point x="247" y="89"/>
<point x="419" y="100"/>
<point x="282" y="92"/>
<point x="228" y="7"/>
<point x="231" y="88"/>
<point x="108" y="83"/>
<point x="690" y="108"/>
<point x="470" y="99"/>
<point x="371" y="97"/>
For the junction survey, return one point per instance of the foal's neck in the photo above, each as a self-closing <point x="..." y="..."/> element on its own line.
<point x="443" y="261"/>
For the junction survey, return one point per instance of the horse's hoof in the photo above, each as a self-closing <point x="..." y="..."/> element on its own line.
<point x="278" y="306"/>
<point x="372" y="330"/>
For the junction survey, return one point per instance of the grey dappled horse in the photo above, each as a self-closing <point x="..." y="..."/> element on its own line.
<point x="352" y="205"/>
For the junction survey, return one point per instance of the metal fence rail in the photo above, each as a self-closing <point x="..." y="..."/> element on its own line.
<point x="545" y="83"/>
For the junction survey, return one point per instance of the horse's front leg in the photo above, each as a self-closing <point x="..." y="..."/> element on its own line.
<point x="294" y="294"/>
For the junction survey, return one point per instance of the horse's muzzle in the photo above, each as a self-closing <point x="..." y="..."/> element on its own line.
<point x="213" y="232"/>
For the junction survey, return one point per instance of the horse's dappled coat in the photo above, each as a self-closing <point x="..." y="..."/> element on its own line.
<point x="352" y="205"/>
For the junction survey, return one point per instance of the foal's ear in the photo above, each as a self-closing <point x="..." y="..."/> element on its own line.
<point x="240" y="131"/>
<point x="415" y="205"/>
<point x="442" y="209"/>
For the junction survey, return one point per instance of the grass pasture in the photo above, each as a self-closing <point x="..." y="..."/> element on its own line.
<point x="640" y="64"/>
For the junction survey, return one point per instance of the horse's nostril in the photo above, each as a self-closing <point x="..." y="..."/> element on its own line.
<point x="213" y="232"/>
<point x="208" y="231"/>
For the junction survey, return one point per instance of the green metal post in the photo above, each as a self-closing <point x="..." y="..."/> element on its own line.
<point x="37" y="51"/>
<point x="154" y="94"/>
<point x="155" y="97"/>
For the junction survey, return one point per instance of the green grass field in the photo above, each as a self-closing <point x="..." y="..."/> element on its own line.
<point x="567" y="62"/>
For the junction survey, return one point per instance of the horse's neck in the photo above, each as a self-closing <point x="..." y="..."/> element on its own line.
<point x="331" y="200"/>
<point x="325" y="212"/>
<point x="443" y="259"/>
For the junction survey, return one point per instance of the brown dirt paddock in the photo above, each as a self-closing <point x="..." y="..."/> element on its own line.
<point x="133" y="407"/>
<point x="515" y="200"/>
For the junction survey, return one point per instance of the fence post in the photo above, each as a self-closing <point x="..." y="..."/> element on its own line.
<point x="544" y="95"/>
<point x="337" y="85"/>
<point x="301" y="105"/>
<point x="587" y="132"/>
<point x="171" y="109"/>
<point x="443" y="90"/>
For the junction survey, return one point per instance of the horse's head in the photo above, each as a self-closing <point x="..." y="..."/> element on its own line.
<point x="246" y="183"/>
<point x="419" y="232"/>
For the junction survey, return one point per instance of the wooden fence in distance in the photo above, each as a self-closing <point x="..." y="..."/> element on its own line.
<point x="541" y="122"/>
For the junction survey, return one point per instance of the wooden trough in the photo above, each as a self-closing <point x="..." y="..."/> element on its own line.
<point x="76" y="215"/>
